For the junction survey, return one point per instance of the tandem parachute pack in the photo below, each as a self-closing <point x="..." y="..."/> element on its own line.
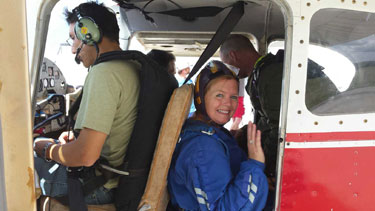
<point x="156" y="87"/>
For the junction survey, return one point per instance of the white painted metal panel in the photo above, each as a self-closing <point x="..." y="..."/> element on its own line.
<point x="15" y="110"/>
<point x="303" y="120"/>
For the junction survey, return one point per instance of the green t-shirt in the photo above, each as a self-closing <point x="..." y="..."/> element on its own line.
<point x="109" y="105"/>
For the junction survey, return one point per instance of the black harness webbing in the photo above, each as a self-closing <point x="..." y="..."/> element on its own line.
<point x="254" y="78"/>
<point x="187" y="14"/>
<point x="156" y="87"/>
<point x="72" y="112"/>
<point x="221" y="34"/>
<point x="76" y="194"/>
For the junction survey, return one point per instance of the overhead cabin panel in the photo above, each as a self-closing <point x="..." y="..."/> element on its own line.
<point x="257" y="15"/>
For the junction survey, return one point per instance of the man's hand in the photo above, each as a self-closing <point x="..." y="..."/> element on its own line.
<point x="83" y="151"/>
<point x="236" y="124"/>
<point x="66" y="137"/>
<point x="39" y="145"/>
<point x="241" y="137"/>
<point x="240" y="133"/>
<point x="254" y="145"/>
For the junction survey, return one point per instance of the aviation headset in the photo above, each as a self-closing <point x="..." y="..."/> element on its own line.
<point x="86" y="29"/>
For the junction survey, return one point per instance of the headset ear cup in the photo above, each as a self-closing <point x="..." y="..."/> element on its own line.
<point x="88" y="31"/>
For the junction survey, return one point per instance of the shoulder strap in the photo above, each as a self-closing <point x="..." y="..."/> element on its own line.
<point x="254" y="79"/>
<point x="72" y="112"/>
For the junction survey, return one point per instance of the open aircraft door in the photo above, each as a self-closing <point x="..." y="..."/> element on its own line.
<point x="327" y="151"/>
<point x="16" y="157"/>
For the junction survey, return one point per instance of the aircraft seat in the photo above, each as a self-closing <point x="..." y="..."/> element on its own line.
<point x="156" y="196"/>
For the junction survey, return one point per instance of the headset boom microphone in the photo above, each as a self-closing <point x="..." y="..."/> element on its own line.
<point x="76" y="58"/>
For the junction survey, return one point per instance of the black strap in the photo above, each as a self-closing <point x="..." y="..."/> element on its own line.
<point x="187" y="14"/>
<point x="221" y="34"/>
<point x="76" y="195"/>
<point x="72" y="112"/>
<point x="194" y="12"/>
<point x="74" y="109"/>
<point x="78" y="190"/>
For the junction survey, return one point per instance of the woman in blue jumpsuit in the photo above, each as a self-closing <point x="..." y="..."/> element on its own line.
<point x="209" y="171"/>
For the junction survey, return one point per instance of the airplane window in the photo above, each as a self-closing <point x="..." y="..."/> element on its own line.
<point x="342" y="78"/>
<point x="331" y="62"/>
<point x="323" y="63"/>
<point x="341" y="66"/>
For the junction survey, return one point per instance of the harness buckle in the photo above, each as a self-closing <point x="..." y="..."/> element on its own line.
<point x="76" y="169"/>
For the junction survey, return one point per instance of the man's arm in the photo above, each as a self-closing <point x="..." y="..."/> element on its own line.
<point x="82" y="152"/>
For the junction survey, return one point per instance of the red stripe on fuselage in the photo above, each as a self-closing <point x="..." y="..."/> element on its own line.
<point x="333" y="136"/>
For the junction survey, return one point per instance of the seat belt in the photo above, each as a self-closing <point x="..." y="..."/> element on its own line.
<point x="221" y="34"/>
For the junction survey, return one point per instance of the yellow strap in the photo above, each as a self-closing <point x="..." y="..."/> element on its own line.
<point x="260" y="58"/>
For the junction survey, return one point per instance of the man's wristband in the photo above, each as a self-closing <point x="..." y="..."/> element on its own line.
<point x="45" y="151"/>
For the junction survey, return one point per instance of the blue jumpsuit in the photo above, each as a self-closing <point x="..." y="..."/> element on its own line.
<point x="210" y="172"/>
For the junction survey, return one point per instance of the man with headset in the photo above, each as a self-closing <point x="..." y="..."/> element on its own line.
<point x="107" y="112"/>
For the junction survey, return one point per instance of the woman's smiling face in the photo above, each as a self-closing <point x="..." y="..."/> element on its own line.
<point x="221" y="99"/>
